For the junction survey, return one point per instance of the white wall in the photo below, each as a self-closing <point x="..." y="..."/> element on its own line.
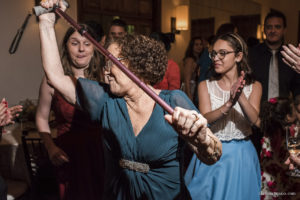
<point x="181" y="40"/>
<point x="21" y="73"/>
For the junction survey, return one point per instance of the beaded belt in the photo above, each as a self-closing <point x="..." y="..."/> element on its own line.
<point x="134" y="166"/>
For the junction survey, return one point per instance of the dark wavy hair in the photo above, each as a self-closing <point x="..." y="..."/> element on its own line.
<point x="147" y="58"/>
<point x="162" y="37"/>
<point x="189" y="53"/>
<point x="277" y="14"/>
<point x="238" y="45"/>
<point x="273" y="115"/>
<point x="93" y="72"/>
<point x="297" y="100"/>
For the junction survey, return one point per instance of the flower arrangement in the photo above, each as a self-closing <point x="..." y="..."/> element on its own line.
<point x="29" y="110"/>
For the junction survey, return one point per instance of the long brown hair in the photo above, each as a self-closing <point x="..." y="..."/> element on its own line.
<point x="93" y="72"/>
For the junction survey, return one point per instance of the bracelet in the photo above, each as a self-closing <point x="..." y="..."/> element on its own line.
<point x="223" y="113"/>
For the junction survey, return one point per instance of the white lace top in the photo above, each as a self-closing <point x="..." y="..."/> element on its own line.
<point x="231" y="126"/>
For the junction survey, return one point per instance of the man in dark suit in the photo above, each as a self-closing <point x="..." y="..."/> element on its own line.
<point x="276" y="77"/>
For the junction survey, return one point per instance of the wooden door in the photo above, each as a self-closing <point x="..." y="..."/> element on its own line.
<point x="202" y="27"/>
<point x="143" y="16"/>
<point x="246" y="25"/>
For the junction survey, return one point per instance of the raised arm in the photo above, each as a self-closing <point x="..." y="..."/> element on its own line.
<point x="50" y="54"/>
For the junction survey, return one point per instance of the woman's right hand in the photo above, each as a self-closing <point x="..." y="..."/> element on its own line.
<point x="50" y="17"/>
<point x="293" y="161"/>
<point x="57" y="155"/>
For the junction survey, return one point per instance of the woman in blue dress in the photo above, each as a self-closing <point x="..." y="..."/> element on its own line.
<point x="237" y="175"/>
<point x="142" y="143"/>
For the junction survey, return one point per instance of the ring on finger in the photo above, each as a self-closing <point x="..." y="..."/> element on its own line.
<point x="196" y="116"/>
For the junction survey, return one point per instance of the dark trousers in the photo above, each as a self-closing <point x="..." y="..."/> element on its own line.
<point x="3" y="189"/>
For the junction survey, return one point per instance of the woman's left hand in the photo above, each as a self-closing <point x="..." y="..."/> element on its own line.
<point x="15" y="110"/>
<point x="237" y="88"/>
<point x="189" y="124"/>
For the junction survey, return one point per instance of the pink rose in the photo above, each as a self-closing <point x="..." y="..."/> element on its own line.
<point x="273" y="100"/>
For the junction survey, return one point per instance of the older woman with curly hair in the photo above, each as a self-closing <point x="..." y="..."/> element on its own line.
<point x="142" y="143"/>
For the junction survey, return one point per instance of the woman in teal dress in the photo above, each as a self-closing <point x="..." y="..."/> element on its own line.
<point x="142" y="143"/>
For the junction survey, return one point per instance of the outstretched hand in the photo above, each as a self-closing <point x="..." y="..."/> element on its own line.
<point x="237" y="88"/>
<point x="7" y="114"/>
<point x="291" y="56"/>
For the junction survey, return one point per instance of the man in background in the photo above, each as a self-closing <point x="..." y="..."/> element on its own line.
<point x="276" y="77"/>
<point x="118" y="28"/>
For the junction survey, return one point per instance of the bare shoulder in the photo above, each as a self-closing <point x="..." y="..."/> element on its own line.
<point x="257" y="85"/>
<point x="189" y="61"/>
<point x="202" y="85"/>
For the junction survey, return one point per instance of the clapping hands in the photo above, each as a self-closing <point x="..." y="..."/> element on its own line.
<point x="7" y="114"/>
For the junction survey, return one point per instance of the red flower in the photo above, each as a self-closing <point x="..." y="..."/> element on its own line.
<point x="273" y="100"/>
<point x="271" y="184"/>
<point x="292" y="130"/>
<point x="262" y="141"/>
<point x="262" y="197"/>
<point x="266" y="153"/>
